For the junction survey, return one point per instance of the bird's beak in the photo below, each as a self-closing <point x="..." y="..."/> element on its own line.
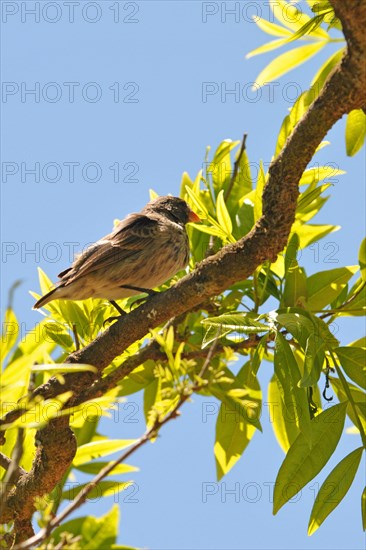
<point x="192" y="217"/>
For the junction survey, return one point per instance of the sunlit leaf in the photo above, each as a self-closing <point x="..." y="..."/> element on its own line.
<point x="355" y="131"/>
<point x="319" y="173"/>
<point x="233" y="432"/>
<point x="324" y="71"/>
<point x="334" y="489"/>
<point x="9" y="333"/>
<point x="96" y="449"/>
<point x="324" y="286"/>
<point x="293" y="18"/>
<point x="102" y="489"/>
<point x="362" y="260"/>
<point x="223" y="216"/>
<point x="358" y="396"/>
<point x="302" y="462"/>
<point x="353" y="361"/>
<point x="309" y="28"/>
<point x="271" y="28"/>
<point x="294" y="398"/>
<point x="311" y="233"/>
<point x="236" y="321"/>
<point x="95" y="533"/>
<point x="284" y="427"/>
<point x="94" y="468"/>
<point x="287" y="61"/>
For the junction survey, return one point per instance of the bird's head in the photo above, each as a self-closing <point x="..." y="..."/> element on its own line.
<point x="174" y="208"/>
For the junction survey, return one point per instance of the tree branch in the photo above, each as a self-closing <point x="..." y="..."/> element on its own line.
<point x="104" y="472"/>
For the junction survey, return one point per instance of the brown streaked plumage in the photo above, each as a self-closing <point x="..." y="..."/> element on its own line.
<point x="143" y="251"/>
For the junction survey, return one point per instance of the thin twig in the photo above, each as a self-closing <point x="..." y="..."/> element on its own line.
<point x="6" y="462"/>
<point x="211" y="353"/>
<point x="346" y="303"/>
<point x="13" y="471"/>
<point x="104" y="472"/>
<point x="236" y="167"/>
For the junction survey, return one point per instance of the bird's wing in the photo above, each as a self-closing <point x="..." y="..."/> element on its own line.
<point x="132" y="235"/>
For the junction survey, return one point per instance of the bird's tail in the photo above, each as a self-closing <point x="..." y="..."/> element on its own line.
<point x="46" y="298"/>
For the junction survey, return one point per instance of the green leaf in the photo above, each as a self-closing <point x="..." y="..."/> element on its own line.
<point x="259" y="192"/>
<point x="291" y="252"/>
<point x="259" y="354"/>
<point x="293" y="18"/>
<point x="271" y="28"/>
<point x="302" y="324"/>
<point x="244" y="219"/>
<point x="309" y="200"/>
<point x="293" y="397"/>
<point x="319" y="173"/>
<point x="308" y="28"/>
<point x="213" y="333"/>
<point x="324" y="286"/>
<point x="41" y="412"/>
<point x="222" y="154"/>
<point x="210" y="230"/>
<point x="302" y="463"/>
<point x="268" y="47"/>
<point x="314" y="357"/>
<point x="242" y="184"/>
<point x="353" y="361"/>
<point x="362" y="260"/>
<point x="356" y="307"/>
<point x="9" y="333"/>
<point x="297" y="323"/>
<point x="95" y="533"/>
<point x="324" y="71"/>
<point x="242" y="402"/>
<point x="334" y="489"/>
<point x="58" y="334"/>
<point x="102" y="489"/>
<point x="285" y="429"/>
<point x="288" y="61"/>
<point x="363" y="509"/>
<point x="310" y="233"/>
<point x="237" y="321"/>
<point x="358" y="396"/>
<point x="196" y="200"/>
<point x="153" y="194"/>
<point x="44" y="281"/>
<point x="94" y="468"/>
<point x="223" y="216"/>
<point x="295" y="290"/>
<point x="299" y="108"/>
<point x="96" y="449"/>
<point x="233" y="432"/>
<point x="355" y="131"/>
<point x="359" y="343"/>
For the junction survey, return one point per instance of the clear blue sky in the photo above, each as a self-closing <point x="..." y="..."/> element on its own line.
<point x="158" y="127"/>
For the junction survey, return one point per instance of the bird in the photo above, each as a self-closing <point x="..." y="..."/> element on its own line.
<point x="143" y="251"/>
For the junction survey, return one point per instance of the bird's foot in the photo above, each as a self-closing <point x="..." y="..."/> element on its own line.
<point x="121" y="312"/>
<point x="76" y="337"/>
<point x="142" y="300"/>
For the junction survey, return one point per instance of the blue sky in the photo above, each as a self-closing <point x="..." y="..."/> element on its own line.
<point x="126" y="92"/>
